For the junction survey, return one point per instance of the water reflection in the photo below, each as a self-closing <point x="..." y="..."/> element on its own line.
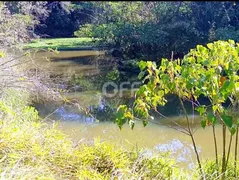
<point x="181" y="151"/>
<point x="158" y="138"/>
<point x="62" y="114"/>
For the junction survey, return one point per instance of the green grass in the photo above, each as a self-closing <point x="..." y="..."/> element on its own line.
<point x="32" y="149"/>
<point x="63" y="43"/>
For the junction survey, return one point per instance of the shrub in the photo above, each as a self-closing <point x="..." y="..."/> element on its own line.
<point x="85" y="31"/>
<point x="212" y="172"/>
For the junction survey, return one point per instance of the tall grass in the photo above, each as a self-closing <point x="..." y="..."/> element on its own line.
<point x="32" y="149"/>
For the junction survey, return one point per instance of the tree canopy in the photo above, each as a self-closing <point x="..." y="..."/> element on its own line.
<point x="158" y="28"/>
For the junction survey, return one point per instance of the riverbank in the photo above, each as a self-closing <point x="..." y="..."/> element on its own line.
<point x="65" y="44"/>
<point x="33" y="149"/>
<point x="210" y="167"/>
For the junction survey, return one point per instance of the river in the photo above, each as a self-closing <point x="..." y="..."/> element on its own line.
<point x="154" y="137"/>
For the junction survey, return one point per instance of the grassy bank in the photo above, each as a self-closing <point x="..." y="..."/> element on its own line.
<point x="63" y="43"/>
<point x="32" y="149"/>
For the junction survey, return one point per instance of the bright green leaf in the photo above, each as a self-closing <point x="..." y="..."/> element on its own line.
<point x="203" y="123"/>
<point x="142" y="65"/>
<point x="211" y="118"/>
<point x="227" y="120"/>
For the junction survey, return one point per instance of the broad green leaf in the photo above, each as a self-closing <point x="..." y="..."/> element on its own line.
<point x="141" y="90"/>
<point x="203" y="123"/>
<point x="211" y="118"/>
<point x="233" y="129"/>
<point x="142" y="65"/>
<point x="201" y="109"/>
<point x="149" y="64"/>
<point x="123" y="115"/>
<point x="210" y="45"/>
<point x="161" y="93"/>
<point x="227" y="120"/>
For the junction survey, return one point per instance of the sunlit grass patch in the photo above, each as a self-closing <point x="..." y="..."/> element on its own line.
<point x="62" y="43"/>
<point x="50" y="154"/>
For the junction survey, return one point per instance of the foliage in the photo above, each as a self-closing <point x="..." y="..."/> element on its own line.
<point x="113" y="75"/>
<point x="64" y="18"/>
<point x="16" y="106"/>
<point x="49" y="154"/>
<point x="18" y="20"/>
<point x="158" y="168"/>
<point x="32" y="149"/>
<point x="227" y="33"/>
<point x="154" y="29"/>
<point x="211" y="170"/>
<point x="210" y="71"/>
<point x="85" y="31"/>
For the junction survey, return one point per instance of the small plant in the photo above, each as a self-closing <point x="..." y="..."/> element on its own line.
<point x="210" y="71"/>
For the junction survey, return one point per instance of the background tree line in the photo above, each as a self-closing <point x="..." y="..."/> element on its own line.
<point x="144" y="29"/>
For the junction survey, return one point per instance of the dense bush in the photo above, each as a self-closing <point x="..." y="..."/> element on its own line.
<point x="152" y="30"/>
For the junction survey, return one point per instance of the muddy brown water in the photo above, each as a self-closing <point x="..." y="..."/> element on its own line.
<point x="154" y="137"/>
